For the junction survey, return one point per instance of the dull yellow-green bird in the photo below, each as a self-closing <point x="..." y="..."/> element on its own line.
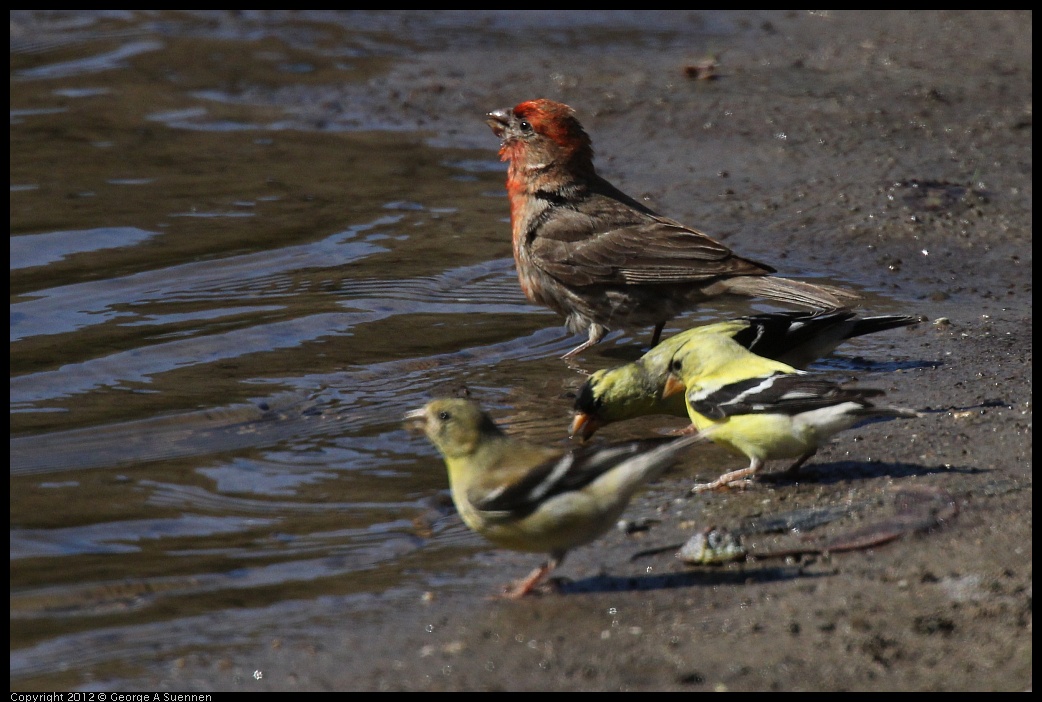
<point x="528" y="497"/>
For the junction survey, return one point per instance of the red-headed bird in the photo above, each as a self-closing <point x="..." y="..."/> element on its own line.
<point x="598" y="257"/>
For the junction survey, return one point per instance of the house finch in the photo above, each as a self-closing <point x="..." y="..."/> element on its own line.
<point x="598" y="257"/>
<point x="761" y="408"/>
<point x="794" y="338"/>
<point x="527" y="497"/>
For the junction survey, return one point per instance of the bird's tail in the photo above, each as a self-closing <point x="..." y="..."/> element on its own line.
<point x="871" y="325"/>
<point x="800" y="338"/>
<point x="789" y="291"/>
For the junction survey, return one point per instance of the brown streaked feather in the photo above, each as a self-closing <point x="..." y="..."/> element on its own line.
<point x="655" y="251"/>
<point x="795" y="292"/>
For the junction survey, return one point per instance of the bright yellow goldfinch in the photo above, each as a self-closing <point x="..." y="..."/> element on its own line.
<point x="527" y="497"/>
<point x="761" y="408"/>
<point x="794" y="338"/>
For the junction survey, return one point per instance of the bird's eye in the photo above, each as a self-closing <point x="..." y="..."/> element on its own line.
<point x="675" y="365"/>
<point x="525" y="125"/>
<point x="444" y="415"/>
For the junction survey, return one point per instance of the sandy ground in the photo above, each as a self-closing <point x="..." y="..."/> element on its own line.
<point x="889" y="149"/>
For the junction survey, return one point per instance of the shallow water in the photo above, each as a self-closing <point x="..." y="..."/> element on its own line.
<point x="227" y="287"/>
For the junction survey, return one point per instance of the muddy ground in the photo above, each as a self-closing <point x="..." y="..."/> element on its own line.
<point x="892" y="150"/>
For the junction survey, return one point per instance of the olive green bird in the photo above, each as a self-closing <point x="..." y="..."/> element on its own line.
<point x="527" y="497"/>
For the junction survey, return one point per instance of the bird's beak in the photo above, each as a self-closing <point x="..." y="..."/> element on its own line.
<point x="498" y="120"/>
<point x="583" y="426"/>
<point x="416" y="421"/>
<point x="672" y="386"/>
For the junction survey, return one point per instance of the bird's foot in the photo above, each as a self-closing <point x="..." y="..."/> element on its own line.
<point x="519" y="588"/>
<point x="574" y="365"/>
<point x="736" y="479"/>
<point x="720" y="485"/>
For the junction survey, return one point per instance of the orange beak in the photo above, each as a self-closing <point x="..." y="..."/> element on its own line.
<point x="672" y="386"/>
<point x="583" y="426"/>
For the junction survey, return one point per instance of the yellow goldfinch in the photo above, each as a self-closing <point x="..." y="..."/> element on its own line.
<point x="794" y="338"/>
<point x="763" y="408"/>
<point x="527" y="497"/>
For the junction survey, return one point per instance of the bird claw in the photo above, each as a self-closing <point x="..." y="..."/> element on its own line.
<point x="573" y="365"/>
<point x="515" y="591"/>
<point x="721" y="486"/>
<point x="738" y="479"/>
<point x="519" y="588"/>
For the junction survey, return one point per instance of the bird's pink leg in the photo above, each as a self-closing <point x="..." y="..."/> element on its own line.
<point x="520" y="588"/>
<point x="597" y="333"/>
<point x="734" y="479"/>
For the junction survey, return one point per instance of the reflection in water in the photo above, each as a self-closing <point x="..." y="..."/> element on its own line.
<point x="219" y="315"/>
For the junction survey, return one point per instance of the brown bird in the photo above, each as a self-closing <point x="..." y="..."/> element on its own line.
<point x="598" y="257"/>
